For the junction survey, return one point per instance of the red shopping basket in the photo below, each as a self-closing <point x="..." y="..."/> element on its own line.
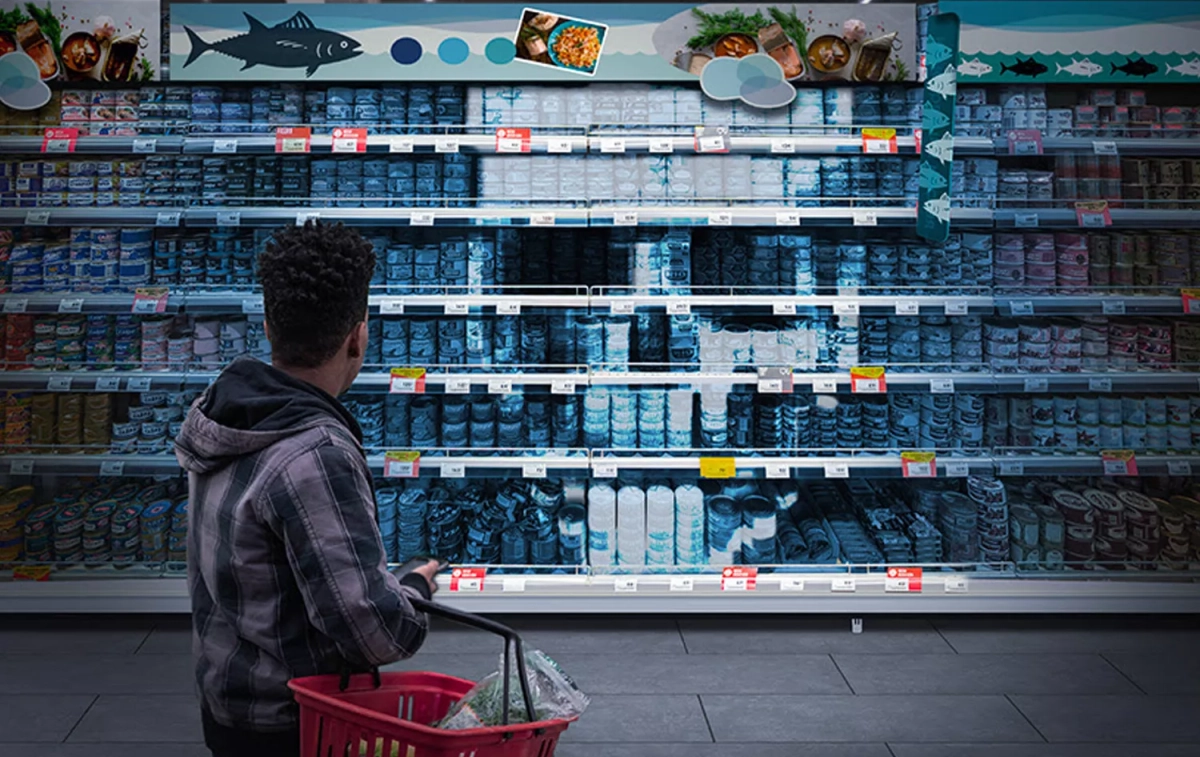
<point x="389" y="714"/>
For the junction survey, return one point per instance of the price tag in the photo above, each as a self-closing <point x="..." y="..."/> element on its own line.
<point x="837" y="470"/>
<point x="612" y="145"/>
<point x="458" y="386"/>
<point x="662" y="145"/>
<point x="956" y="307"/>
<point x="20" y="468"/>
<point x="1025" y="220"/>
<point x="842" y="584"/>
<point x="682" y="583"/>
<point x="845" y="308"/>
<point x="253" y="306"/>
<point x="224" y="146"/>
<point x="868" y="380"/>
<point x="1119" y="462"/>
<point x="770" y="386"/>
<point x="865" y="218"/>
<point x="168" y="219"/>
<point x="108" y="384"/>
<point x="1093" y="214"/>
<point x="500" y="386"/>
<point x="956" y="585"/>
<point x="70" y="305"/>
<point x="401" y="144"/>
<point x="957" y="469"/>
<point x="145" y="146"/>
<point x="775" y="380"/>
<point x="825" y="386"/>
<point x="16" y="305"/>
<point x="149" y="300"/>
<point x="604" y="470"/>
<point x="787" y="218"/>
<point x="718" y="467"/>
<point x="723" y="218"/>
<point x="533" y="470"/>
<point x="421" y="218"/>
<point x="783" y="146"/>
<point x="1113" y="307"/>
<point x="918" y="464"/>
<point x="1100" y="385"/>
<point x="467" y="579"/>
<point x="777" y="471"/>
<point x="293" y="139"/>
<point x="1025" y="142"/>
<point x="625" y="218"/>
<point x="407" y="381"/>
<point x="513" y="584"/>
<point x="679" y="307"/>
<point x="508" y="307"/>
<point x="562" y="386"/>
<point x="1179" y="468"/>
<point x="229" y="218"/>
<point x="58" y="384"/>
<point x="401" y="464"/>
<point x="1021" y="307"/>
<point x="512" y="140"/>
<point x="445" y="144"/>
<point x="621" y="308"/>
<point x="783" y="308"/>
<point x="1036" y="385"/>
<point x="1191" y="301"/>
<point x="941" y="386"/>
<point x="918" y="139"/>
<point x="456" y="308"/>
<point x="542" y="219"/>
<point x="37" y="218"/>
<point x="791" y="583"/>
<point x="739" y="578"/>
<point x="139" y="384"/>
<point x="558" y="146"/>
<point x="304" y="216"/>
<point x="453" y="470"/>
<point x="1011" y="468"/>
<point x="879" y="141"/>
<point x="1104" y="147"/>
<point x="907" y="307"/>
<point x="391" y="306"/>
<point x="714" y="143"/>
<point x="349" y="140"/>
<point x="31" y="573"/>
<point x="112" y="468"/>
<point x="625" y="584"/>
<point x="905" y="580"/>
<point x="59" y="140"/>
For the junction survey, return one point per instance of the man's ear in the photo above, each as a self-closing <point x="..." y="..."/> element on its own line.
<point x="356" y="345"/>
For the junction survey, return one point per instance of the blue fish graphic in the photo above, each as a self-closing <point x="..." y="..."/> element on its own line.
<point x="935" y="54"/>
<point x="933" y="120"/>
<point x="931" y="178"/>
<point x="295" y="43"/>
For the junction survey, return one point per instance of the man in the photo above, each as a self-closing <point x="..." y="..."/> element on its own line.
<point x="286" y="567"/>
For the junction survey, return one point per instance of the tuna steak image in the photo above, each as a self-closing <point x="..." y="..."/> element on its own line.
<point x="295" y="43"/>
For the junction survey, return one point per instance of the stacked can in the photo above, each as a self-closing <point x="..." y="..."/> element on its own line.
<point x="1073" y="262"/>
<point x="1144" y="528"/>
<point x="1025" y="536"/>
<point x="1002" y="345"/>
<point x="602" y="525"/>
<point x="155" y="333"/>
<point x="15" y="504"/>
<point x="39" y="533"/>
<point x="660" y="526"/>
<point x="177" y="535"/>
<point x="1079" y="518"/>
<point x="68" y="533"/>
<point x="1154" y="346"/>
<point x="689" y="525"/>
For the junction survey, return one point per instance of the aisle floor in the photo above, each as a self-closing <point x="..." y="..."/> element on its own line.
<point x="689" y="687"/>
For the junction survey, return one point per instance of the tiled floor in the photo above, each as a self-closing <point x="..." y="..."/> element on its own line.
<point x="690" y="687"/>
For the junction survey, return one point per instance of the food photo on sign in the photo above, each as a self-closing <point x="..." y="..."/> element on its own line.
<point x="568" y="44"/>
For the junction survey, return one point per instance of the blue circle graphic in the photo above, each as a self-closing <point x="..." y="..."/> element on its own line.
<point x="500" y="51"/>
<point x="406" y="51"/>
<point x="453" y="50"/>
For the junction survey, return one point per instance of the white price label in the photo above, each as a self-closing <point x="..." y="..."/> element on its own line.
<point x="37" y="218"/>
<point x="956" y="469"/>
<point x="401" y="144"/>
<point x="16" y="305"/>
<point x="138" y="384"/>
<point x="253" y="306"/>
<point x="391" y="306"/>
<point x="1179" y="468"/>
<point x="843" y="584"/>
<point x="1008" y="468"/>
<point x="956" y="307"/>
<point x="168" y="219"/>
<point x="776" y="470"/>
<point x="712" y="144"/>
<point x="679" y="307"/>
<point x="783" y="146"/>
<point x="70" y="305"/>
<point x="58" y="384"/>
<point x="622" y="308"/>
<point x="866" y="386"/>
<point x="304" y="216"/>
<point x="723" y="218"/>
<point x="837" y="470"/>
<point x="1104" y="147"/>
<point x="1025" y="220"/>
<point x="225" y="146"/>
<point x="112" y="468"/>
<point x="458" y="386"/>
<point x="825" y="386"/>
<point x="625" y="218"/>
<point x="770" y="386"/>
<point x="845" y="308"/>
<point x="562" y="386"/>
<point x="1115" y="467"/>
<point x="612" y="145"/>
<point x="500" y="386"/>
<point x="508" y="307"/>
<point x="895" y="584"/>
<point x="866" y="218"/>
<point x="787" y="218"/>
<point x="513" y="584"/>
<point x="941" y="386"/>
<point x="453" y="470"/>
<point x="625" y="584"/>
<point x="877" y="146"/>
<point x="445" y="144"/>
<point x="108" y="384"/>
<point x="456" y="308"/>
<point x="907" y="307"/>
<point x="682" y="583"/>
<point x="510" y="145"/>
<point x="791" y="583"/>
<point x="145" y="146"/>
<point x="1036" y="385"/>
<point x="1113" y="307"/>
<point x="783" y="308"/>
<point x="21" y="468"/>
<point x="1100" y="385"/>
<point x="229" y="218"/>
<point x="421" y="218"/>
<point x="542" y="219"/>
<point x="662" y="145"/>
<point x="956" y="585"/>
<point x="604" y="470"/>
<point x="558" y="146"/>
<point x="533" y="470"/>
<point x="1021" y="307"/>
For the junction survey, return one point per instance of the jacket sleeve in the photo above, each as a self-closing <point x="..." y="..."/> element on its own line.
<point x="322" y="506"/>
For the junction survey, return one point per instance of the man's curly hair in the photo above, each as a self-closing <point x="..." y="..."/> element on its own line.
<point x="315" y="281"/>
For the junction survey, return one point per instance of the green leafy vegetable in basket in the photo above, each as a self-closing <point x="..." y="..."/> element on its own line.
<point x="713" y="26"/>
<point x="554" y="696"/>
<point x="10" y="20"/>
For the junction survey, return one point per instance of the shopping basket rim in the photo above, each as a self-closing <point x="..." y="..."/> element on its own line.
<point x="301" y="688"/>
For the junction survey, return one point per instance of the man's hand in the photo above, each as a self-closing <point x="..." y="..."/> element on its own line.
<point x="429" y="571"/>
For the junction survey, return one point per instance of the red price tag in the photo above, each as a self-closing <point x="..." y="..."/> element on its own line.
<point x="1191" y="301"/>
<point x="879" y="141"/>
<point x="407" y="381"/>
<point x="1119" y="462"/>
<point x="401" y="464"/>
<point x="59" y="140"/>
<point x="917" y="464"/>
<point x="293" y="139"/>
<point x="1025" y="142"/>
<point x="31" y="573"/>
<point x="147" y="300"/>
<point x="1093" y="214"/>
<point x="512" y="140"/>
<point x="739" y="578"/>
<point x="349" y="140"/>
<point x="467" y="579"/>
<point x="868" y="380"/>
<point x="918" y="136"/>
<point x="903" y="580"/>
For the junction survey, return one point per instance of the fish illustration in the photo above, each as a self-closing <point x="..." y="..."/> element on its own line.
<point x="932" y="120"/>
<point x="1028" y="67"/>
<point x="936" y="53"/>
<point x="930" y="177"/>
<point x="945" y="83"/>
<point x="974" y="67"/>
<point x="1140" y="67"/>
<point x="941" y="148"/>
<point x="1186" y="67"/>
<point x="295" y="43"/>
<point x="939" y="208"/>
<point x="1083" y="67"/>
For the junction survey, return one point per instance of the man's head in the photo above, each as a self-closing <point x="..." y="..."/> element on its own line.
<point x="315" y="282"/>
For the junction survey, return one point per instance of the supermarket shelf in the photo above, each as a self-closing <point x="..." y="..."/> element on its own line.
<point x="618" y="300"/>
<point x="783" y="216"/>
<point x="867" y="465"/>
<point x="548" y="216"/>
<point x="1125" y="145"/>
<point x="1045" y="218"/>
<point x="140" y="145"/>
<point x="78" y="302"/>
<point x="782" y="143"/>
<point x="505" y="463"/>
<point x="456" y="379"/>
<point x="1064" y="463"/>
<point x="116" y="216"/>
<point x="90" y="465"/>
<point x="1089" y="304"/>
<point x="103" y="381"/>
<point x="950" y="592"/>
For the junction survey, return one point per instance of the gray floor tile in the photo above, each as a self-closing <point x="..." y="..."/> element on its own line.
<point x="1041" y="750"/>
<point x="469" y="666"/>
<point x="982" y="674"/>
<point x="720" y="750"/>
<point x="1159" y="673"/>
<point x="169" y="636"/>
<point x="71" y="673"/>
<point x="557" y="635"/>
<point x="167" y="718"/>
<point x="1124" y="719"/>
<point x="871" y="719"/>
<point x="40" y="718"/>
<point x="641" y="719"/>
<point x="104" y="750"/>
<point x="81" y="634"/>
<point x="1054" y="635"/>
<point x="775" y="635"/>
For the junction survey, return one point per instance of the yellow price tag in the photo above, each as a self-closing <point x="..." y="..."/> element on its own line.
<point x="919" y="464"/>
<point x="401" y="464"/>
<point x="407" y="381"/>
<point x="31" y="573"/>
<point x="871" y="379"/>
<point x="718" y="467"/>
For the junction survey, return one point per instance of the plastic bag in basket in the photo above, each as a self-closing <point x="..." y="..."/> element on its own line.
<point x="555" y="696"/>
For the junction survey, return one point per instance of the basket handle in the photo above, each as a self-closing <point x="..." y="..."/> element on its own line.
<point x="511" y="638"/>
